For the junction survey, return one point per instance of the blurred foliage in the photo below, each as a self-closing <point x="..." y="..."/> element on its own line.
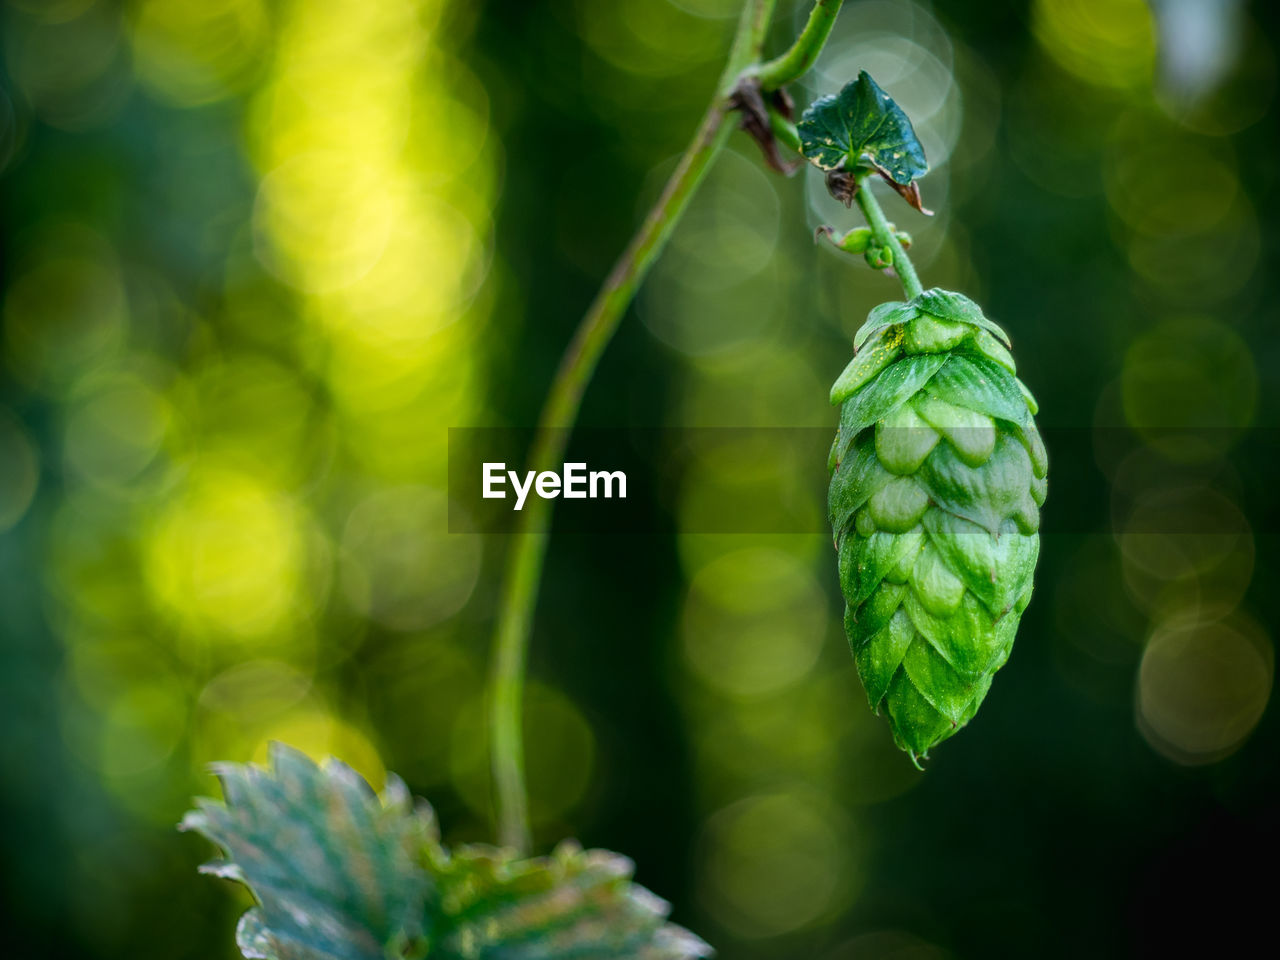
<point x="338" y="871"/>
<point x="260" y="254"/>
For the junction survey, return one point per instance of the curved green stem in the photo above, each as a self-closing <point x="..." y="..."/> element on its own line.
<point x="784" y="130"/>
<point x="885" y="236"/>
<point x="529" y="545"/>
<point x="793" y="64"/>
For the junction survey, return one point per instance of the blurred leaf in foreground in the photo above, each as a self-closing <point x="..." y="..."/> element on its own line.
<point x="336" y="869"/>
<point x="341" y="873"/>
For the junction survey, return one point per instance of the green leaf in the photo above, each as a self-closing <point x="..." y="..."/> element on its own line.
<point x="861" y="120"/>
<point x="853" y="483"/>
<point x="890" y="390"/>
<point x="333" y="866"/>
<point x="343" y="874"/>
<point x="949" y="305"/>
<point x="881" y="318"/>
<point x="981" y="384"/>
<point x="865" y="364"/>
<point x="997" y="569"/>
<point x="988" y="495"/>
<point x="575" y="903"/>
<point x="866" y="561"/>
<point x="879" y="658"/>
<point x="947" y="691"/>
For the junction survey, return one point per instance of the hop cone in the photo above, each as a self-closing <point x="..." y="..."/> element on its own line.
<point x="937" y="478"/>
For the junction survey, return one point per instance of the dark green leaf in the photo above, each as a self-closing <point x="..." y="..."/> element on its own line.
<point x="861" y="120"/>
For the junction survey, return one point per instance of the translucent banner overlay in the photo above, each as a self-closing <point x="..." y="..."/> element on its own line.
<point x="774" y="481"/>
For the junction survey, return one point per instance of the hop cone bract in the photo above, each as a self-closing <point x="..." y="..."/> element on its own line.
<point x="937" y="478"/>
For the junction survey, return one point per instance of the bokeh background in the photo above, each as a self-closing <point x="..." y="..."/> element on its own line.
<point x="259" y="255"/>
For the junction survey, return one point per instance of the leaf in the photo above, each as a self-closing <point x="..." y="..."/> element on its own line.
<point x="988" y="495"/>
<point x="866" y="363"/>
<point x="854" y="482"/>
<point x="340" y="873"/>
<point x="947" y="691"/>
<point x="890" y="390"/>
<point x="949" y="305"/>
<point x="862" y="120"/>
<point x="981" y="384"/>
<point x="881" y="318"/>
<point x="575" y="903"/>
<point x="997" y="570"/>
<point x="333" y="866"/>
<point x="879" y="658"/>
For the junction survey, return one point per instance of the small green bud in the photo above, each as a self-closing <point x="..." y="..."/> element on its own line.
<point x="879" y="257"/>
<point x="855" y="241"/>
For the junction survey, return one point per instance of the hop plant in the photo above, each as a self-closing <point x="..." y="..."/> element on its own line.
<point x="937" y="478"/>
<point x="341" y="873"/>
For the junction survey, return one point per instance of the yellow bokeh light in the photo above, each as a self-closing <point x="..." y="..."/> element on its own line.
<point x="251" y="412"/>
<point x="1186" y="549"/>
<point x="142" y="728"/>
<point x="1201" y="268"/>
<point x="1189" y="387"/>
<point x="1111" y="43"/>
<point x="649" y="39"/>
<point x="243" y="706"/>
<point x="400" y="565"/>
<point x="754" y="622"/>
<point x="228" y="556"/>
<point x="114" y="431"/>
<point x="324" y="219"/>
<point x="321" y="735"/>
<point x="365" y="210"/>
<point x="1164" y="184"/>
<point x="196" y="53"/>
<point x="774" y="863"/>
<point x="255" y="691"/>
<point x="1202" y="687"/>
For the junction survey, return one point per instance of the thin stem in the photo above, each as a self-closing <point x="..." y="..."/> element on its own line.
<point x="529" y="545"/>
<point x="793" y="64"/>
<point x="784" y="130"/>
<point x="885" y="236"/>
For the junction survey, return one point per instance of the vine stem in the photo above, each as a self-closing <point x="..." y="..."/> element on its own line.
<point x="884" y="234"/>
<point x="804" y="52"/>
<point x="528" y="546"/>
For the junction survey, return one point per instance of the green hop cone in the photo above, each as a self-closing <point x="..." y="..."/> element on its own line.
<point x="937" y="478"/>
